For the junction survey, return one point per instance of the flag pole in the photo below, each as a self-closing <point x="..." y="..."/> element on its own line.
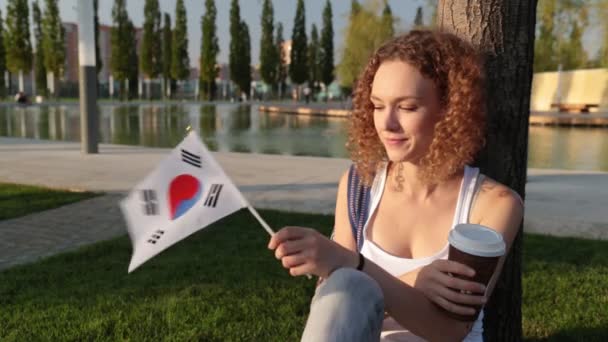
<point x="260" y="219"/>
<point x="251" y="209"/>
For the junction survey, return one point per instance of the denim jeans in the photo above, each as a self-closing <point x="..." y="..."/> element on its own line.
<point x="347" y="306"/>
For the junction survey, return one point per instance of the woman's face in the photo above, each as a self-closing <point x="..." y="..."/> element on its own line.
<point x="406" y="109"/>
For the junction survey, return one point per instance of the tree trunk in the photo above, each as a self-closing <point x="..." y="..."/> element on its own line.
<point x="504" y="31"/>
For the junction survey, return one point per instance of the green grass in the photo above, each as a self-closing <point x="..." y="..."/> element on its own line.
<point x="223" y="284"/>
<point x="565" y="289"/>
<point x="18" y="200"/>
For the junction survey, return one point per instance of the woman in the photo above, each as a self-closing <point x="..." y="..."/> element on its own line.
<point x="418" y="120"/>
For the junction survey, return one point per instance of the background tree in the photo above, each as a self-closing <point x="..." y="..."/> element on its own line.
<point x="53" y="43"/>
<point x="365" y="32"/>
<point x="209" y="50"/>
<point x="327" y="46"/>
<point x="314" y="59"/>
<point x="120" y="40"/>
<point x="298" y="69"/>
<point x="431" y="5"/>
<point x="545" y="57"/>
<point x="355" y="7"/>
<point x="98" y="60"/>
<point x="601" y="11"/>
<point x="281" y="73"/>
<point x="166" y="58"/>
<point x="419" y="19"/>
<point x="180" y="63"/>
<point x="39" y="69"/>
<point x="268" y="53"/>
<point x="561" y="27"/>
<point x="150" y="61"/>
<point x="572" y="54"/>
<point x="239" y="64"/>
<point x="133" y="66"/>
<point x="3" y="90"/>
<point x="503" y="30"/>
<point x="388" y="22"/>
<point x="245" y="72"/>
<point x="17" y="38"/>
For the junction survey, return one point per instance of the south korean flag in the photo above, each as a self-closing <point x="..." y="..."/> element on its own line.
<point x="186" y="192"/>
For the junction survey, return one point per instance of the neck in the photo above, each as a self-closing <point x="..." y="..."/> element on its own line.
<point x="404" y="178"/>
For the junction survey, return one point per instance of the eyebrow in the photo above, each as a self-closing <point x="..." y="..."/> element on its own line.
<point x="397" y="99"/>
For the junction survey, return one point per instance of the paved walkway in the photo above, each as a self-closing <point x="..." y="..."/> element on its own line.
<point x="564" y="203"/>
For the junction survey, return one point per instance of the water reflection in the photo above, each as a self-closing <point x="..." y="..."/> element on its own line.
<point x="568" y="148"/>
<point x="242" y="128"/>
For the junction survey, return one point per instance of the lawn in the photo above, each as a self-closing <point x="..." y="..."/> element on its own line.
<point x="223" y="284"/>
<point x="18" y="200"/>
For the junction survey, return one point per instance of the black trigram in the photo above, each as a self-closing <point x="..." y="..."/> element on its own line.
<point x="191" y="158"/>
<point x="213" y="196"/>
<point x="156" y="236"/>
<point x="150" y="202"/>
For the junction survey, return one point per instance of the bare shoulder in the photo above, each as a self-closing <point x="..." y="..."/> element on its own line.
<point x="498" y="207"/>
<point x="492" y="192"/>
<point x="342" y="230"/>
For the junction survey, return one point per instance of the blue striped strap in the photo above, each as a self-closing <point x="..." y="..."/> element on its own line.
<point x="358" y="196"/>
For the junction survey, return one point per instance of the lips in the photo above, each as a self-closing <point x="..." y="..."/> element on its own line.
<point x="394" y="141"/>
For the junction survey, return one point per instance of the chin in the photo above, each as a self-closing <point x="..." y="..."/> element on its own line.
<point x="398" y="157"/>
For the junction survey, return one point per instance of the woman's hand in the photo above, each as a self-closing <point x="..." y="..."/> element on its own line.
<point x="306" y="251"/>
<point x="437" y="281"/>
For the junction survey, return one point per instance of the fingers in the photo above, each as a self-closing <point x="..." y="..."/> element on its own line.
<point x="289" y="247"/>
<point x="449" y="266"/>
<point x="292" y="261"/>
<point x="298" y="264"/>
<point x="303" y="269"/>
<point x="452" y="307"/>
<point x="458" y="284"/>
<point x="460" y="297"/>
<point x="286" y="233"/>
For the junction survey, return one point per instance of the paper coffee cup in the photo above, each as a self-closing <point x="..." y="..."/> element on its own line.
<point x="478" y="247"/>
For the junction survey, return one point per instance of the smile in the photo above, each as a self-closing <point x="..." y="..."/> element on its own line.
<point x="395" y="142"/>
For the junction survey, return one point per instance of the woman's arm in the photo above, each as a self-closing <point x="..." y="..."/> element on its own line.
<point x="497" y="207"/>
<point x="501" y="209"/>
<point x="306" y="251"/>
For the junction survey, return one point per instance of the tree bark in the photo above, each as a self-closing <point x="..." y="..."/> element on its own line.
<point x="503" y="30"/>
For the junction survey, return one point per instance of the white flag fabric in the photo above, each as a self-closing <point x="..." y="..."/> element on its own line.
<point x="186" y="192"/>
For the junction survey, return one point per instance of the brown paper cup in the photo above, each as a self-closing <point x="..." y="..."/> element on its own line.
<point x="478" y="247"/>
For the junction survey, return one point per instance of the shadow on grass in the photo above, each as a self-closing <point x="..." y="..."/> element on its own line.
<point x="18" y="200"/>
<point x="587" y="253"/>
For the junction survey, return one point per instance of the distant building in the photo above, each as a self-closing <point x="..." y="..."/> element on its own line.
<point x="287" y="51"/>
<point x="105" y="50"/>
<point x="70" y="70"/>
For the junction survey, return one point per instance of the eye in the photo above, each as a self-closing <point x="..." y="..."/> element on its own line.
<point x="408" y="108"/>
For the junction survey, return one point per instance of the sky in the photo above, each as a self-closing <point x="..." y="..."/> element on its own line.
<point x="251" y="10"/>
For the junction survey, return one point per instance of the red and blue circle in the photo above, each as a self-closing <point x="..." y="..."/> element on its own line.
<point x="184" y="191"/>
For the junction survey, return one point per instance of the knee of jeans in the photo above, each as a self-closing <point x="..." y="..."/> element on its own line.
<point x="354" y="283"/>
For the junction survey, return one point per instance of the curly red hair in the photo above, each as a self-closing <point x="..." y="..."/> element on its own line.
<point x="456" y="69"/>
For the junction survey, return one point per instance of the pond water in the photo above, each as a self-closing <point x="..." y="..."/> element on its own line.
<point x="242" y="128"/>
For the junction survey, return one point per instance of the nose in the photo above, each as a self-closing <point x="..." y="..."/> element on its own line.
<point x="389" y="119"/>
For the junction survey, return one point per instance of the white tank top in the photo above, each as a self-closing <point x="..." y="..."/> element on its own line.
<point x="391" y="330"/>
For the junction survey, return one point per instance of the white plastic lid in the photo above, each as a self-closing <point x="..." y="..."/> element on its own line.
<point x="477" y="240"/>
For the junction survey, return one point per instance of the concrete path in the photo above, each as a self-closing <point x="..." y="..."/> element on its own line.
<point x="564" y="203"/>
